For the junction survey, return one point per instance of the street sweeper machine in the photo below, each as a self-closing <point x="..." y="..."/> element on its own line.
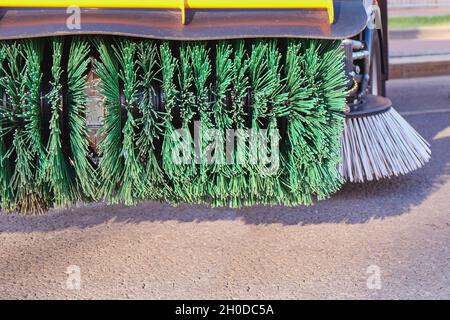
<point x="224" y="103"/>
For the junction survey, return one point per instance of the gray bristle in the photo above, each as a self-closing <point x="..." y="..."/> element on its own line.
<point x="381" y="146"/>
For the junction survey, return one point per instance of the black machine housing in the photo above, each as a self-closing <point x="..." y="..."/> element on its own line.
<point x="350" y="23"/>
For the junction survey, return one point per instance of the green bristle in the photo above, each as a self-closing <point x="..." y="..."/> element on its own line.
<point x="110" y="148"/>
<point x="311" y="136"/>
<point x="126" y="172"/>
<point x="132" y="184"/>
<point x="77" y="69"/>
<point x="240" y="83"/>
<point x="325" y="180"/>
<point x="169" y="67"/>
<point x="266" y="86"/>
<point x="332" y="94"/>
<point x="33" y="52"/>
<point x="21" y="81"/>
<point x="56" y="168"/>
<point x="258" y="78"/>
<point x="221" y="171"/>
<point x="151" y="124"/>
<point x="201" y="67"/>
<point x="185" y="188"/>
<point x="300" y="99"/>
<point x="6" y="194"/>
<point x="178" y="158"/>
<point x="13" y="68"/>
<point x="276" y="98"/>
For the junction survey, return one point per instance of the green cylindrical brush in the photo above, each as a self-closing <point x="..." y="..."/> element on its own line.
<point x="228" y="123"/>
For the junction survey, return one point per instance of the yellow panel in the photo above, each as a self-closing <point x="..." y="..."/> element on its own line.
<point x="177" y="4"/>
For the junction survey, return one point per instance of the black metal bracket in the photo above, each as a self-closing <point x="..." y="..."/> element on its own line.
<point x="370" y="105"/>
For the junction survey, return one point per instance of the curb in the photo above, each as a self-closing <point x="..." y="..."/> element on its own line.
<point x="420" y="66"/>
<point x="425" y="33"/>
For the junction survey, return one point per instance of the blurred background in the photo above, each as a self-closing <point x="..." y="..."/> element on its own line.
<point x="419" y="38"/>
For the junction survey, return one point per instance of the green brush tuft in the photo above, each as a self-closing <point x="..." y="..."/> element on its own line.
<point x="77" y="69"/>
<point x="220" y="170"/>
<point x="178" y="157"/>
<point x="169" y="67"/>
<point x="201" y="73"/>
<point x="6" y="193"/>
<point x="110" y="148"/>
<point x="238" y="184"/>
<point x="132" y="182"/>
<point x="151" y="125"/>
<point x="266" y="87"/>
<point x="314" y="125"/>
<point x="56" y="169"/>
<point x="271" y="158"/>
<point x="21" y="83"/>
<point x="185" y="187"/>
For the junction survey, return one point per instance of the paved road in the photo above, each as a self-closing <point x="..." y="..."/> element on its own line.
<point x="400" y="228"/>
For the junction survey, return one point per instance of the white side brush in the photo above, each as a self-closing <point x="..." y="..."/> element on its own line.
<point x="378" y="143"/>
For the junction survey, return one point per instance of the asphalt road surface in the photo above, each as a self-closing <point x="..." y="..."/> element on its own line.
<point x="388" y="239"/>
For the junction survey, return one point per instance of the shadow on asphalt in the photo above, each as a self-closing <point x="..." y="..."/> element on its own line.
<point x="355" y="204"/>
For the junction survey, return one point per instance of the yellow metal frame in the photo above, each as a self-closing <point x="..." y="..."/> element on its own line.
<point x="178" y="4"/>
